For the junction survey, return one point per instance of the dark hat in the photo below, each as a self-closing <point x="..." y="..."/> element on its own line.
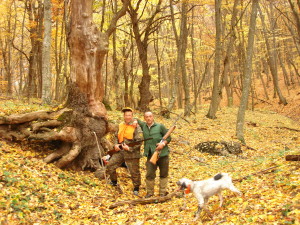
<point x="127" y="109"/>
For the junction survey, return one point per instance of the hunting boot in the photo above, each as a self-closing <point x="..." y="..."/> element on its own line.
<point x="163" y="185"/>
<point x="150" y="188"/>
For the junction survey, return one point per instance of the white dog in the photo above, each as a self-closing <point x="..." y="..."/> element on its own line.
<point x="206" y="188"/>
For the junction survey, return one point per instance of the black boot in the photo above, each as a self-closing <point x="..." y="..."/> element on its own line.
<point x="136" y="191"/>
<point x="113" y="183"/>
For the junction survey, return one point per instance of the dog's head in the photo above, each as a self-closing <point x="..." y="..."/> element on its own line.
<point x="184" y="183"/>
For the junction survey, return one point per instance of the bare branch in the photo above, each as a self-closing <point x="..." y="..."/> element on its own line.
<point x="122" y="12"/>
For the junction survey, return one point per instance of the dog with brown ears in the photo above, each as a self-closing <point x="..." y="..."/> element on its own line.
<point x="206" y="188"/>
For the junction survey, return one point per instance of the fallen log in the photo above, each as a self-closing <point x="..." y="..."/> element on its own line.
<point x="292" y="157"/>
<point x="287" y="128"/>
<point x="144" y="201"/>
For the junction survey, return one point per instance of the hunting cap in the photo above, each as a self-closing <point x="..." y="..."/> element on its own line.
<point x="127" y="109"/>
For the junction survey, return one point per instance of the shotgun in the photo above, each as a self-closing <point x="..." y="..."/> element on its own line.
<point x="155" y="155"/>
<point x="130" y="144"/>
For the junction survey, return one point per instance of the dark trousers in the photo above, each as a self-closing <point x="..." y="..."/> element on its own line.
<point x="163" y="165"/>
<point x="133" y="165"/>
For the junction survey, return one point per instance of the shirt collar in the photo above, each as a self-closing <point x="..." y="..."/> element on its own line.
<point x="152" y="125"/>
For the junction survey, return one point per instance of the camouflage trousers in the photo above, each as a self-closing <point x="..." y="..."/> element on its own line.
<point x="133" y="165"/>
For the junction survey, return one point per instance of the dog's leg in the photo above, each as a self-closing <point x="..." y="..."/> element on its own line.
<point x="198" y="213"/>
<point x="184" y="203"/>
<point x="201" y="203"/>
<point x="205" y="208"/>
<point x="221" y="199"/>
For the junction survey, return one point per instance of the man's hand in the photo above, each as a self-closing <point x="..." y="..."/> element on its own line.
<point x="160" y="146"/>
<point x="135" y="123"/>
<point x="125" y="147"/>
<point x="117" y="147"/>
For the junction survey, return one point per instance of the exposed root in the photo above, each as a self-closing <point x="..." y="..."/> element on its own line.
<point x="70" y="156"/>
<point x="28" y="117"/>
<point x="74" y="129"/>
<point x="64" y="148"/>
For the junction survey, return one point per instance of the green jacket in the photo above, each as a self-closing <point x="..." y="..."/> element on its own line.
<point x="156" y="131"/>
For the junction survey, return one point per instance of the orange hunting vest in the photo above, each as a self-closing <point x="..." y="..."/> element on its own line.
<point x="125" y="131"/>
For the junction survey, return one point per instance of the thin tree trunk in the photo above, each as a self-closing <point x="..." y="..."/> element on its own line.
<point x="116" y="77"/>
<point x="296" y="16"/>
<point x="182" y="58"/>
<point x="195" y="77"/>
<point x="227" y="59"/>
<point x="142" y="46"/>
<point x="247" y="74"/>
<point x="46" y="91"/>
<point x="103" y="14"/>
<point x="272" y="62"/>
<point x="214" y="104"/>
<point x="59" y="58"/>
<point x="175" y="80"/>
<point x="264" y="85"/>
<point x="285" y="74"/>
<point x="156" y="44"/>
<point x="39" y="74"/>
<point x="21" y="55"/>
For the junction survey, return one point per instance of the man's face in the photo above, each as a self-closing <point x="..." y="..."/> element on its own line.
<point x="128" y="116"/>
<point x="148" y="116"/>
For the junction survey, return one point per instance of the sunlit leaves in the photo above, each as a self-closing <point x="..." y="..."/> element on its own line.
<point x="35" y="192"/>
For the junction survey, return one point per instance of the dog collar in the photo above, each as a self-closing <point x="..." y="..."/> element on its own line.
<point x="188" y="189"/>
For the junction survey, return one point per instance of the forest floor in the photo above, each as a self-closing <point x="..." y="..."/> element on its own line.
<point x="33" y="192"/>
<point x="271" y="103"/>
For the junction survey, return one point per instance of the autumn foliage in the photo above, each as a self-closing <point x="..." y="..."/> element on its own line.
<point x="33" y="192"/>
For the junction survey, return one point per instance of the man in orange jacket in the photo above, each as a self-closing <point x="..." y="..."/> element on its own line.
<point x="128" y="132"/>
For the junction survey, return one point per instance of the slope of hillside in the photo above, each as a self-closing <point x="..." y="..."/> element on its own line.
<point x="33" y="192"/>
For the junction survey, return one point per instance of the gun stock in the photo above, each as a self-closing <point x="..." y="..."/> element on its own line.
<point x="155" y="155"/>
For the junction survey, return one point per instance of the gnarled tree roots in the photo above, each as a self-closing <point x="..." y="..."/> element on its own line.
<point x="73" y="129"/>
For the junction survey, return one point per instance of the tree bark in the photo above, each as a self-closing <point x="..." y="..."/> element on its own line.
<point x="272" y="62"/>
<point x="214" y="104"/>
<point x="142" y="46"/>
<point x="156" y="50"/>
<point x="228" y="57"/>
<point x="175" y="77"/>
<point x="247" y="74"/>
<point x="182" y="58"/>
<point x="84" y="115"/>
<point x="296" y="16"/>
<point x="46" y="74"/>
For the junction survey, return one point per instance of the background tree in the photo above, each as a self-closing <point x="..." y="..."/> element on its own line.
<point x="142" y="41"/>
<point x="46" y="69"/>
<point x="214" y="104"/>
<point x="247" y="73"/>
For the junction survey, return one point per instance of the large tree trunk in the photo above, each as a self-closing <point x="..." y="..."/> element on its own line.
<point x="83" y="121"/>
<point x="87" y="49"/>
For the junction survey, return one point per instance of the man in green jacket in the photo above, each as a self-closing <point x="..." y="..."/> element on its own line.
<point x="156" y="131"/>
